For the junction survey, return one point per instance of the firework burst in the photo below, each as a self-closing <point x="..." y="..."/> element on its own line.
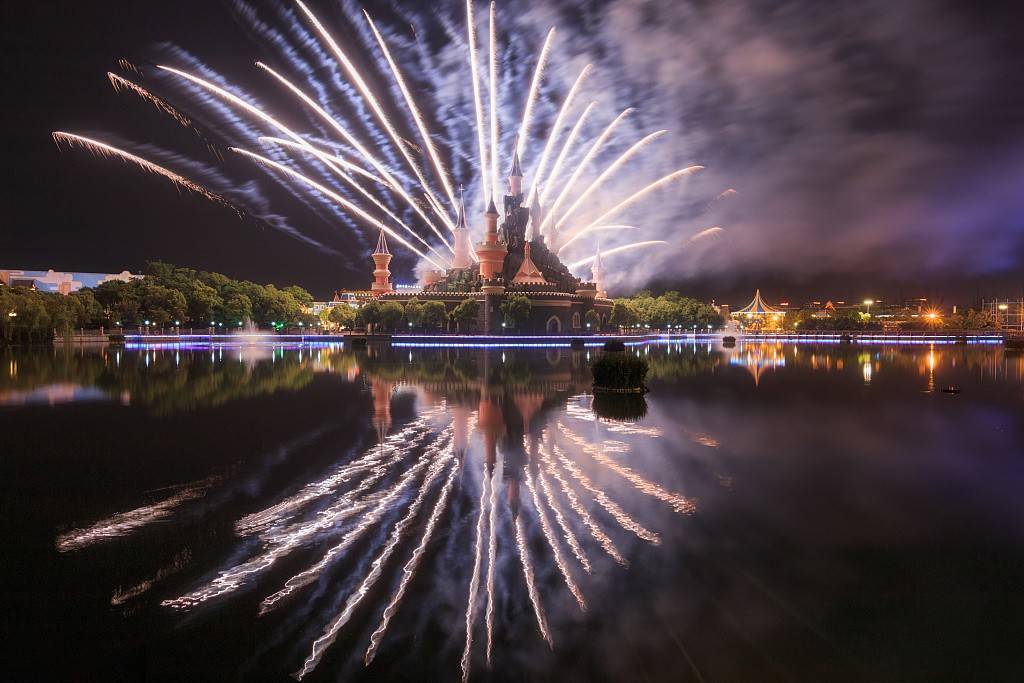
<point x="385" y="180"/>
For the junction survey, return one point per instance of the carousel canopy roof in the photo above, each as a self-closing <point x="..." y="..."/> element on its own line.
<point x="757" y="306"/>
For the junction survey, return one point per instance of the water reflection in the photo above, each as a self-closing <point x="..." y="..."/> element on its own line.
<point x="496" y="489"/>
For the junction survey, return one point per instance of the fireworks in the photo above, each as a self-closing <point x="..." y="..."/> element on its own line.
<point x="103" y="149"/>
<point x="385" y="174"/>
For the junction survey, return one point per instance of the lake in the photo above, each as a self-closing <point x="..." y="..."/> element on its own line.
<point x="769" y="512"/>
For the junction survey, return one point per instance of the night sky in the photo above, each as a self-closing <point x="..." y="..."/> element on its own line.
<point x="877" y="148"/>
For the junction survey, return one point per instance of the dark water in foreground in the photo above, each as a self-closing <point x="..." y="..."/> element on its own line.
<point x="780" y="513"/>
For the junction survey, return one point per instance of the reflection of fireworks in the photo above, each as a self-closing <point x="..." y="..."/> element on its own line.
<point x="422" y="185"/>
<point x="380" y="509"/>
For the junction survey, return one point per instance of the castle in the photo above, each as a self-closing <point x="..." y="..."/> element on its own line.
<point x="516" y="258"/>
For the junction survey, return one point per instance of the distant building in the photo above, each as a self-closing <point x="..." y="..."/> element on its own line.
<point x="58" y="282"/>
<point x="1007" y="314"/>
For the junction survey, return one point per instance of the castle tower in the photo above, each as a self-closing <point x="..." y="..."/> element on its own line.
<point x="597" y="273"/>
<point x="536" y="218"/>
<point x="381" y="261"/>
<point x="492" y="261"/>
<point x="515" y="174"/>
<point x="463" y="257"/>
<point x="491" y="251"/>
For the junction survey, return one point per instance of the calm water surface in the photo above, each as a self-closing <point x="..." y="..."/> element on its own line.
<point x="773" y="512"/>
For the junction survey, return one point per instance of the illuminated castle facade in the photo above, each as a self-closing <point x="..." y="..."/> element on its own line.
<point x="514" y="258"/>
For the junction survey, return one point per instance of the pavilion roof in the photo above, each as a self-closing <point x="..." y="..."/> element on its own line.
<point x="757" y="306"/>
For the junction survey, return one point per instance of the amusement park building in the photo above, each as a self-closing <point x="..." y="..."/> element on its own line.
<point x="513" y="259"/>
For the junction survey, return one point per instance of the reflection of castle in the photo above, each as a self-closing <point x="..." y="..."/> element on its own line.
<point x="517" y="258"/>
<point x="509" y="401"/>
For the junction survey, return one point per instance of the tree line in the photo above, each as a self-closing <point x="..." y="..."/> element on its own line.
<point x="669" y="310"/>
<point x="166" y="296"/>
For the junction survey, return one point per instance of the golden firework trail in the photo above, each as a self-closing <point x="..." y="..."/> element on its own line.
<point x="531" y="585"/>
<point x="270" y="120"/>
<point x="595" y="147"/>
<point x="617" y="250"/>
<point x="610" y="506"/>
<point x="709" y="232"/>
<point x="330" y="633"/>
<point x="409" y="570"/>
<point x="531" y="95"/>
<point x="560" y="159"/>
<point x="608" y="172"/>
<point x="367" y="94"/>
<point x="493" y="82"/>
<point x="103" y="149"/>
<point x="574" y="503"/>
<point x="120" y="84"/>
<point x="396" y="186"/>
<point x="421" y="125"/>
<point x="549" y="536"/>
<point x="638" y="195"/>
<point x="477" y="102"/>
<point x="555" y="128"/>
<point x="570" y="537"/>
<point x="308" y="576"/>
<point x="474" y="581"/>
<point x="341" y="200"/>
<point x="327" y="158"/>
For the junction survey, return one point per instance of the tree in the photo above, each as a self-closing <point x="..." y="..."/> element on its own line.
<point x="593" y="319"/>
<point x="273" y="305"/>
<point x="623" y="314"/>
<point x="391" y="315"/>
<point x="466" y="313"/>
<point x="342" y="315"/>
<point x="368" y="314"/>
<point x="304" y="298"/>
<point x="238" y="308"/>
<point x="89" y="311"/>
<point x="161" y="305"/>
<point x="203" y="302"/>
<point x="434" y="314"/>
<point x="414" y="312"/>
<point x="515" y="310"/>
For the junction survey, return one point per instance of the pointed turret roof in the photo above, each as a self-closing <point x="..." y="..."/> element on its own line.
<point x="515" y="171"/>
<point x="536" y="212"/>
<point x="757" y="306"/>
<point x="492" y="210"/>
<point x="528" y="272"/>
<point x="382" y="245"/>
<point x="460" y="221"/>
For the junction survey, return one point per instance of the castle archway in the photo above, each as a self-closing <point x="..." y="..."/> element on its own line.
<point x="553" y="325"/>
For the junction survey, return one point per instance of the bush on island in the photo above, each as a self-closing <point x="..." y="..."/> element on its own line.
<point x="619" y="373"/>
<point x="620" y="407"/>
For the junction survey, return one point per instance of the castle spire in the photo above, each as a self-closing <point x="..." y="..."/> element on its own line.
<point x="597" y="272"/>
<point x="462" y="257"/>
<point x="515" y="174"/>
<point x="460" y="221"/>
<point x="382" y="245"/>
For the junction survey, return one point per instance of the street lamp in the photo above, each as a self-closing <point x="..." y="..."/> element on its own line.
<point x="868" y="302"/>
